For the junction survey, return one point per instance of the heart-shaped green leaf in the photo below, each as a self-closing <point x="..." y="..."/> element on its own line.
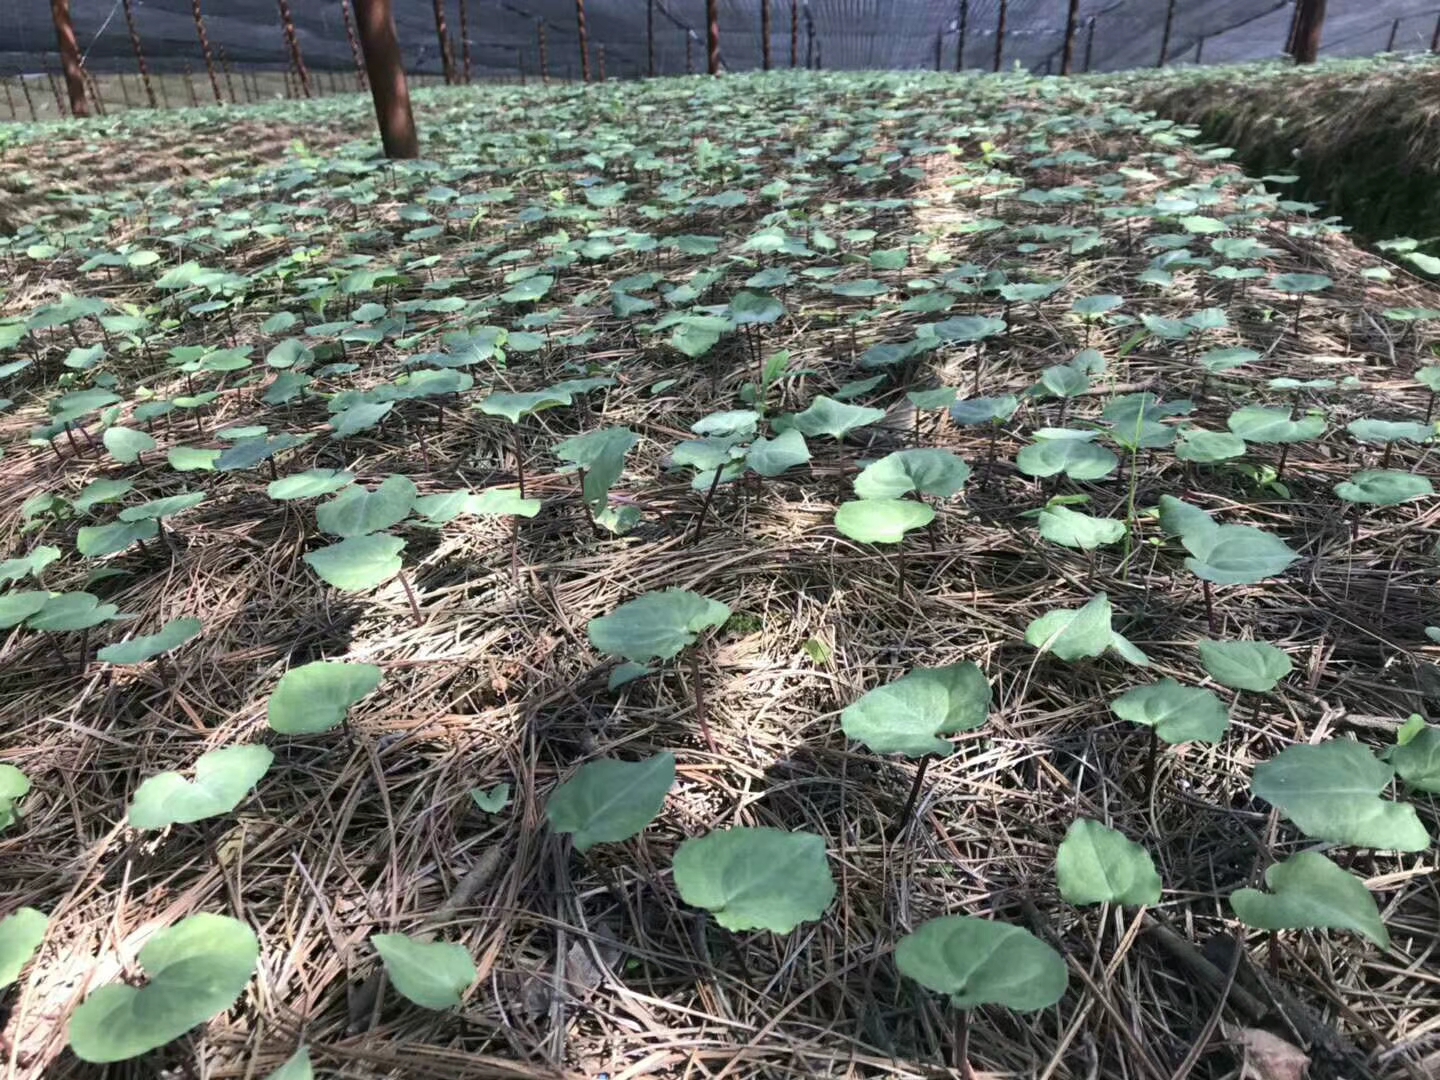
<point x="928" y="472"/>
<point x="1178" y="714"/>
<point x="222" y="778"/>
<point x="1415" y="755"/>
<point x="515" y="407"/>
<point x="984" y="410"/>
<point x="756" y="879"/>
<point x="32" y="565"/>
<point x="97" y="541"/>
<point x="315" y="697"/>
<point x="1205" y="447"/>
<point x="14" y="785"/>
<point x="358" y="563"/>
<point x="64" y="612"/>
<point x="1082" y="632"/>
<point x="656" y="625"/>
<point x="1074" y="455"/>
<point x="247" y="453"/>
<point x="982" y="962"/>
<point x="126" y="445"/>
<point x="1384" y="487"/>
<point x="601" y="453"/>
<point x="170" y="506"/>
<point x="771" y="457"/>
<point x="1383" y="432"/>
<point x="359" y="512"/>
<point x="909" y="715"/>
<point x="1070" y="528"/>
<point x="310" y="484"/>
<point x="492" y="801"/>
<point x="20" y="936"/>
<point x="1309" y="892"/>
<point x="1245" y="665"/>
<point x="609" y="801"/>
<point x="362" y="416"/>
<point x="826" y="416"/>
<point x="1236" y="554"/>
<point x="882" y="521"/>
<point x="139" y="649"/>
<point x="196" y="969"/>
<point x="1262" y="424"/>
<point x="432" y="974"/>
<point x="1096" y="864"/>
<point x="1331" y="792"/>
<point x="16" y="607"/>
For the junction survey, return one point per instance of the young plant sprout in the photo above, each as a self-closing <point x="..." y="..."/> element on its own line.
<point x="883" y="521"/>
<point x="1309" y="892"/>
<point x="222" y="778"/>
<point x="1331" y="792"/>
<point x="609" y="801"/>
<point x="314" y="697"/>
<point x="431" y="974"/>
<point x="21" y="935"/>
<point x="756" y="879"/>
<point x="909" y="716"/>
<point x="195" y="970"/>
<point x="1299" y="286"/>
<point x="658" y="626"/>
<point x="1177" y="714"/>
<point x="1096" y="864"/>
<point x="982" y="962"/>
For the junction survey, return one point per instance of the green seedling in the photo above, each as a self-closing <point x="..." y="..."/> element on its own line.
<point x="222" y="778"/>
<point x="21" y="935"/>
<point x="883" y="521"/>
<point x="659" y="626"/>
<point x="756" y="879"/>
<point x="1415" y="755"/>
<point x="315" y="697"/>
<point x="431" y="974"/>
<point x="1099" y="865"/>
<point x="138" y="650"/>
<point x="1331" y="792"/>
<point x="909" y="716"/>
<point x="14" y="786"/>
<point x="1082" y="633"/>
<point x="196" y="969"/>
<point x="982" y="962"/>
<point x="1309" y="892"/>
<point x="1173" y="713"/>
<point x="609" y="801"/>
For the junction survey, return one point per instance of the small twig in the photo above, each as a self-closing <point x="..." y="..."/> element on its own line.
<point x="410" y="595"/>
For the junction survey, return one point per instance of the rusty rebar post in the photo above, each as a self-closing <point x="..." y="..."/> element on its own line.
<point x="1089" y="42"/>
<point x="354" y="45"/>
<point x="465" y="39"/>
<point x="962" y="27"/>
<point x="939" y="46"/>
<point x="70" y="57"/>
<point x="765" y="34"/>
<point x="205" y="50"/>
<point x="1309" y="25"/>
<point x="584" y="37"/>
<point x="1394" y="31"/>
<point x="1000" y="21"/>
<point x="376" y="24"/>
<point x="1199" y="48"/>
<point x="1072" y="24"/>
<point x="94" y="88"/>
<point x="689" y="52"/>
<point x="447" y="52"/>
<point x="229" y="81"/>
<point x="1165" y="33"/>
<point x="810" y="45"/>
<point x="712" y="36"/>
<point x="600" y="61"/>
<point x="292" y="42"/>
<point x="650" y="37"/>
<point x="190" y="85"/>
<point x="1435" y="37"/>
<point x="55" y="89"/>
<point x="139" y="53"/>
<point x="794" y="33"/>
<point x="29" y="101"/>
<point x="544" y="52"/>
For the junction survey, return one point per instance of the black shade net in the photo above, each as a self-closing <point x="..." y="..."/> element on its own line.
<point x="504" y="35"/>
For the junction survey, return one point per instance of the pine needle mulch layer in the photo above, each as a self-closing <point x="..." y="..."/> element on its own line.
<point x="1362" y="136"/>
<point x="591" y="964"/>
